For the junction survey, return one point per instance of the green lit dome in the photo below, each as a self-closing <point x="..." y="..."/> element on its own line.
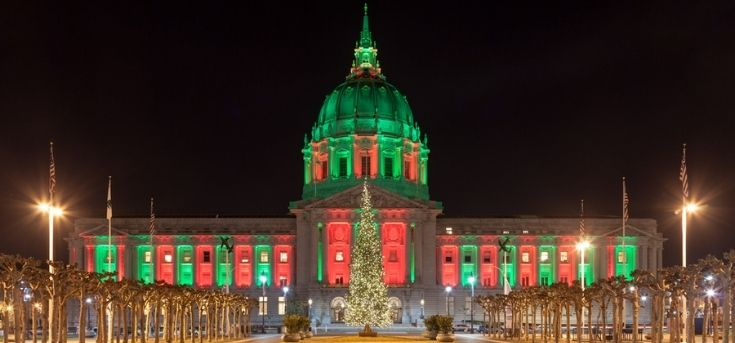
<point x="365" y="129"/>
<point x="365" y="105"/>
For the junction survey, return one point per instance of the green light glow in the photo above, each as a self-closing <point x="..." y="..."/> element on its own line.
<point x="469" y="263"/>
<point x="224" y="269"/>
<point x="145" y="269"/>
<point x="320" y="256"/>
<point x="102" y="264"/>
<point x="411" y="253"/>
<point x="589" y="261"/>
<point x="628" y="266"/>
<point x="184" y="265"/>
<point x="263" y="257"/>
<point x="510" y="265"/>
<point x="547" y="269"/>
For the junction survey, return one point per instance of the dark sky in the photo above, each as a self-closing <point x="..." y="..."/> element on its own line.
<point x="528" y="109"/>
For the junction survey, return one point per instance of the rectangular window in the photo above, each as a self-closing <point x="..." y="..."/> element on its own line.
<point x="206" y="258"/>
<point x="263" y="257"/>
<point x="168" y="258"/>
<point x="563" y="257"/>
<point x="393" y="256"/>
<point x="281" y="305"/>
<point x="486" y="258"/>
<point x="388" y="167"/>
<point x="343" y="166"/>
<point x="244" y="260"/>
<point x="621" y="256"/>
<point x="283" y="257"/>
<point x="544" y="256"/>
<point x="187" y="257"/>
<point x="263" y="306"/>
<point x="448" y="259"/>
<point x="339" y="280"/>
<point x="525" y="281"/>
<point x="545" y="280"/>
<point x="564" y="279"/>
<point x="325" y="170"/>
<point x="365" y="166"/>
<point x="407" y="170"/>
<point x="282" y="281"/>
<point x="525" y="257"/>
<point x="339" y="256"/>
<point x="467" y="258"/>
<point x="147" y="257"/>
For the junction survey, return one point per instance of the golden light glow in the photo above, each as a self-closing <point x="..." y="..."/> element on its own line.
<point x="583" y="245"/>
<point x="692" y="207"/>
<point x="46" y="208"/>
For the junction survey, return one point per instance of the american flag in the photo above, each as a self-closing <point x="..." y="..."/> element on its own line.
<point x="152" y="222"/>
<point x="52" y="173"/>
<point x="581" y="219"/>
<point x="109" y="198"/>
<point x="683" y="173"/>
<point x="626" y="215"/>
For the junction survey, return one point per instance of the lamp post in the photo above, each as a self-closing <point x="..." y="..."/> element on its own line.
<point x="471" y="280"/>
<point x="262" y="301"/>
<point x="308" y="311"/>
<point x="582" y="247"/>
<point x="52" y="212"/>
<point x="89" y="305"/>
<point x="448" y="290"/>
<point x="422" y="308"/>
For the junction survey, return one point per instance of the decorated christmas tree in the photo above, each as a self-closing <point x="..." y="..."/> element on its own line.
<point x="367" y="298"/>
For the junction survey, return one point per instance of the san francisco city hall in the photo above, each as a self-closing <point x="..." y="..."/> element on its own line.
<point x="364" y="129"/>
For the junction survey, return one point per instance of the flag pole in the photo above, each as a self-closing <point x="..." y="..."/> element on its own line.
<point x="625" y="219"/>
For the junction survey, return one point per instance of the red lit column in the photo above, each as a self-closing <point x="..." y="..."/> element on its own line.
<point x="89" y="256"/>
<point x="394" y="253"/>
<point x="120" y="261"/>
<point x="338" y="253"/>
<point x="204" y="265"/>
<point x="449" y="265"/>
<point x="282" y="265"/>
<point x="243" y="263"/>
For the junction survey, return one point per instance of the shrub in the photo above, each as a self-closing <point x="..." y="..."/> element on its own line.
<point x="292" y="322"/>
<point x="431" y="324"/>
<point x="444" y="323"/>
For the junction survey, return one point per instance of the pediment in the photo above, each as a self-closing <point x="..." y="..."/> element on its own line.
<point x="381" y="198"/>
<point x="101" y="230"/>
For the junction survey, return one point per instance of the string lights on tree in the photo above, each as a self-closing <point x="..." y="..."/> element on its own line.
<point x="367" y="298"/>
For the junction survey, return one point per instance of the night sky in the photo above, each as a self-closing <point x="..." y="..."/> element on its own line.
<point x="528" y="109"/>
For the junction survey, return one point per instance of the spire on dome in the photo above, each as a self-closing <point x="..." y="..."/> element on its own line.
<point x="365" y="36"/>
<point x="366" y="54"/>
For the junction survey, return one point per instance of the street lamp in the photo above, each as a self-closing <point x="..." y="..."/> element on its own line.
<point x="52" y="212"/>
<point x="262" y="301"/>
<point x="582" y="247"/>
<point x="422" y="308"/>
<point x="308" y="311"/>
<point x="448" y="290"/>
<point x="89" y="305"/>
<point x="285" y="298"/>
<point x="471" y="280"/>
<point x="685" y="210"/>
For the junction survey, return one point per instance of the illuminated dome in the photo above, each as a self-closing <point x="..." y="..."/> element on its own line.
<point x="365" y="129"/>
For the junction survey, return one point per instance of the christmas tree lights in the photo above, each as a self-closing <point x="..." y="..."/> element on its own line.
<point x="367" y="298"/>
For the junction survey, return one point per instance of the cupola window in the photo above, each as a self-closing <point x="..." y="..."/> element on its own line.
<point x="388" y="167"/>
<point x="365" y="166"/>
<point x="343" y="166"/>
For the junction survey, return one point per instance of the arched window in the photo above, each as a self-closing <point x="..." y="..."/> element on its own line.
<point x="396" y="310"/>
<point x="338" y="307"/>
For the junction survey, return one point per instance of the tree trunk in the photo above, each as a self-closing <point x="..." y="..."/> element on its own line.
<point x="705" y="329"/>
<point x="636" y="312"/>
<point x="726" y="308"/>
<point x="156" y="323"/>
<point x="715" y="327"/>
